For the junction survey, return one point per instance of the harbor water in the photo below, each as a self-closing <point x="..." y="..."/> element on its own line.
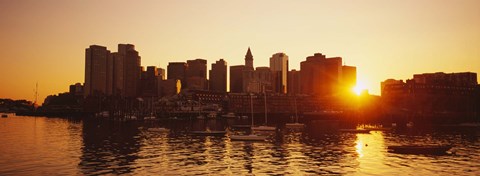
<point x="57" y="146"/>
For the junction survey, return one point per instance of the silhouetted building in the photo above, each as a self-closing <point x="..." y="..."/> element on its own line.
<point x="279" y="67"/>
<point x="169" y="87"/>
<point x="258" y="81"/>
<point x="249" y="59"/>
<point x="218" y="76"/>
<point x="452" y="79"/>
<point x="161" y="73"/>
<point x="197" y="74"/>
<point x="76" y="89"/>
<point x="236" y="78"/>
<point x="440" y="97"/>
<point x="149" y="82"/>
<point x="320" y="75"/>
<point x="241" y="74"/>
<point x="293" y="82"/>
<point x="177" y="70"/>
<point x="349" y="77"/>
<point x="126" y="71"/>
<point x="96" y="70"/>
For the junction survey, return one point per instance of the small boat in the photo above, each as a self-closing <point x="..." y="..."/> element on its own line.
<point x="264" y="128"/>
<point x="354" y="130"/>
<point x="158" y="129"/>
<point x="295" y="125"/>
<point x="4" y="115"/>
<point x="251" y="137"/>
<point x="420" y="149"/>
<point x="209" y="133"/>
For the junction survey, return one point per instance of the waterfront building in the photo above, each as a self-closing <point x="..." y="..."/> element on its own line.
<point x="132" y="69"/>
<point x="349" y="77"/>
<point x="279" y="68"/>
<point x="236" y="78"/>
<point x="177" y="71"/>
<point x="96" y="74"/>
<point x="196" y="74"/>
<point x="149" y="82"/>
<point x="445" y="97"/>
<point x="293" y="82"/>
<point x="218" y="76"/>
<point x="258" y="81"/>
<point x="76" y="89"/>
<point x="169" y="87"/>
<point x="320" y="75"/>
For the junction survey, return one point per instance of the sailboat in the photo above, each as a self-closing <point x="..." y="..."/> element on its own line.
<point x="296" y="124"/>
<point x="264" y="127"/>
<point x="250" y="137"/>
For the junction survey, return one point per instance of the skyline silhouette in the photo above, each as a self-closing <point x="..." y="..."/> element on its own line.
<point x="42" y="42"/>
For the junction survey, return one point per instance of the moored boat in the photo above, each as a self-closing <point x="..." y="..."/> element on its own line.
<point x="229" y="115"/>
<point x="264" y="128"/>
<point x="420" y="149"/>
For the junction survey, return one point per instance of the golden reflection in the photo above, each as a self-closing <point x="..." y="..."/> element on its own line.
<point x="359" y="147"/>
<point x="371" y="152"/>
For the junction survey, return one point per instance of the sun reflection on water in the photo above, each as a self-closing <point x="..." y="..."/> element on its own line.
<point x="371" y="153"/>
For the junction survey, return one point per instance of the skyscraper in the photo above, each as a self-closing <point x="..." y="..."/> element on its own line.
<point x="127" y="71"/>
<point x="218" y="76"/>
<point x="197" y="74"/>
<point x="236" y="78"/>
<point x="96" y="70"/>
<point x="320" y="75"/>
<point x="293" y="82"/>
<point x="279" y="67"/>
<point x="349" y="77"/>
<point x="177" y="71"/>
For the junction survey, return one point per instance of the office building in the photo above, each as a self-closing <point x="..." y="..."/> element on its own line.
<point x="96" y="71"/>
<point x="320" y="75"/>
<point x="218" y="76"/>
<point x="279" y="68"/>
<point x="177" y="71"/>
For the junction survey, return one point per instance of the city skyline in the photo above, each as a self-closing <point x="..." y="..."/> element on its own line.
<point x="381" y="39"/>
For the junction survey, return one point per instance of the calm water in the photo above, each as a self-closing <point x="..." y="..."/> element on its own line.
<point x="46" y="146"/>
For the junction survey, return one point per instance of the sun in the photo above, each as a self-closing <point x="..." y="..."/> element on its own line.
<point x="359" y="88"/>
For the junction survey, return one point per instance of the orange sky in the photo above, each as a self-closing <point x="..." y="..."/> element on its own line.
<point x="44" y="41"/>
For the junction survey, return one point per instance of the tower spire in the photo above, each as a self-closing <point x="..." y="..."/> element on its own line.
<point x="249" y="59"/>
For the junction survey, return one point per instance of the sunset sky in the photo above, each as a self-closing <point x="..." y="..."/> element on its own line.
<point x="44" y="41"/>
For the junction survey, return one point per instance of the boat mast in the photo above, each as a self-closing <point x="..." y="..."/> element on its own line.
<point x="35" y="95"/>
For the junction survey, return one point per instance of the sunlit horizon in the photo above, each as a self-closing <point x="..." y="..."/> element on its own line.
<point x="46" y="44"/>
